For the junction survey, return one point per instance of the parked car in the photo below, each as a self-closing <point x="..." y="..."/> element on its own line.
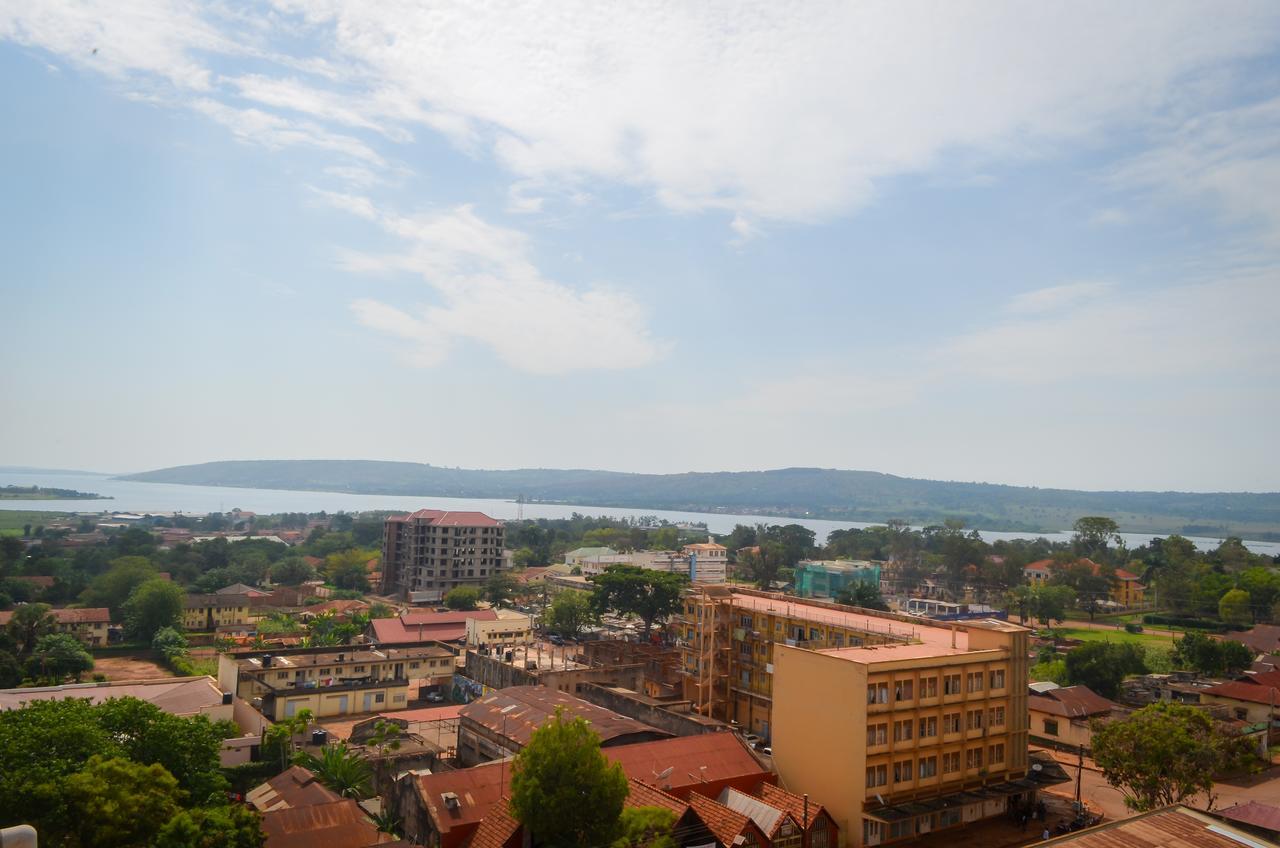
<point x="555" y="639"/>
<point x="435" y="697"/>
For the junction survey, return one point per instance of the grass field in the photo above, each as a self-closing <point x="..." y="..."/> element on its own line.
<point x="1119" y="636"/>
<point x="12" y="520"/>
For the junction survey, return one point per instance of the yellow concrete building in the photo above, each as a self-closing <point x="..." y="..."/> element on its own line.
<point x="205" y="612"/>
<point x="909" y="737"/>
<point x="727" y="637"/>
<point x="334" y="681"/>
<point x="89" y="625"/>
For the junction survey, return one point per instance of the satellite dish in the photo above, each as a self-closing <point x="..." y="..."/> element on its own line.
<point x="1037" y="767"/>
<point x="880" y="799"/>
<point x="665" y="773"/>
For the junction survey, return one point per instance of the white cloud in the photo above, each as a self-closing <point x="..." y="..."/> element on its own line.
<point x="273" y="132"/>
<point x="489" y="291"/>
<point x="1110" y="218"/>
<point x="1056" y="297"/>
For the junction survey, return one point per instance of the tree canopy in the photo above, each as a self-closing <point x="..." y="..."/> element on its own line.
<point x="570" y="611"/>
<point x="632" y="590"/>
<point x="462" y="598"/>
<point x="563" y="789"/>
<point x="1103" y="665"/>
<point x="151" y="607"/>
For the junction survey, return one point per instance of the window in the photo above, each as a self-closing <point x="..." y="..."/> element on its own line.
<point x="877" y="775"/>
<point x="928" y="767"/>
<point x="951" y="723"/>
<point x="905" y="691"/>
<point x="997" y="754"/>
<point x="975" y="681"/>
<point x="1050" y="727"/>
<point x="379" y="698"/>
<point x="871" y="831"/>
<point x="997" y="679"/>
<point x="903" y="828"/>
<point x="283" y="675"/>
<point x="902" y="731"/>
<point x="877" y="693"/>
<point x="997" y="717"/>
<point x="358" y="668"/>
<point x="951" y="762"/>
<point x="951" y="684"/>
<point x="744" y="622"/>
<point x="946" y="818"/>
<point x="973" y="721"/>
<point x="973" y="758"/>
<point x="877" y="734"/>
<point x="928" y="727"/>
<point x="324" y="672"/>
<point x="928" y="687"/>
<point x="902" y="771"/>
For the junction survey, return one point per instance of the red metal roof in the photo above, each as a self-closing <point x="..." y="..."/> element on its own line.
<point x="1253" y="692"/>
<point x="726" y="759"/>
<point x="1070" y="701"/>
<point x="443" y="518"/>
<point x="293" y="787"/>
<point x="518" y="711"/>
<point x="477" y="788"/>
<point x="1263" y="638"/>
<point x="1257" y="814"/>
<point x="725" y="824"/>
<point x="91" y="615"/>
<point x="340" y="824"/>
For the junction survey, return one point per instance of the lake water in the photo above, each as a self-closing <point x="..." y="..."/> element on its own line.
<point x="131" y="496"/>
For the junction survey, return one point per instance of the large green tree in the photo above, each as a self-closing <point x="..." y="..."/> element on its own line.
<point x="563" y="789"/>
<point x="632" y="590"/>
<point x="232" y="826"/>
<point x="646" y="827"/>
<point x="57" y="656"/>
<point x="462" y="598"/>
<point x="1165" y="753"/>
<point x="187" y="747"/>
<point x="112" y="588"/>
<point x="862" y="594"/>
<point x="1198" y="652"/>
<point x="1103" y="665"/>
<point x="1093" y="533"/>
<point x="570" y="611"/>
<point x="151" y="607"/>
<point x="1233" y="608"/>
<point x="292" y="571"/>
<point x="28" y="624"/>
<point x="117" y="803"/>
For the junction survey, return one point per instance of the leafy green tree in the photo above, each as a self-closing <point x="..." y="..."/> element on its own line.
<point x="862" y="594"/>
<point x="28" y="624"/>
<point x="563" y="789"/>
<point x="112" y="588"/>
<point x="278" y="742"/>
<point x="462" y="598"/>
<point x="116" y="803"/>
<point x="525" y="557"/>
<point x="764" y="565"/>
<point x="632" y="590"/>
<point x="10" y="670"/>
<point x="230" y="826"/>
<point x="500" y="588"/>
<point x="1213" y="657"/>
<point x="1049" y="603"/>
<point x="1103" y="665"/>
<point x="340" y="768"/>
<point x="169" y="643"/>
<point x="59" y="655"/>
<point x="646" y="827"/>
<point x="292" y="571"/>
<point x="1093" y="533"/>
<point x="1233" y="608"/>
<point x="153" y="606"/>
<point x="665" y="539"/>
<point x="1164" y="753"/>
<point x="570" y="611"/>
<point x="187" y="747"/>
<point x="347" y="569"/>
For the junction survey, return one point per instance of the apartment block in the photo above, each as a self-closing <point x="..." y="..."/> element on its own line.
<point x="908" y="737"/>
<point x="428" y="553"/>
<point x="88" y="625"/>
<point x="726" y="638"/>
<point x="333" y="682"/>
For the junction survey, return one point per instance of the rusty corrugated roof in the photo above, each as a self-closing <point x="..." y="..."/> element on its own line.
<point x="516" y="712"/>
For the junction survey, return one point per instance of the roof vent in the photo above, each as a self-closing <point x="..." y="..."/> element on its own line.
<point x="450" y="800"/>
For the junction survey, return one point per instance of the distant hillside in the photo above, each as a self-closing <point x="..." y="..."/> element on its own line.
<point x="807" y="492"/>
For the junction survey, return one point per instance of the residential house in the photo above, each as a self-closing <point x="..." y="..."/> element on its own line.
<point x="1262" y="638"/>
<point x="1126" y="588"/>
<point x="88" y="624"/>
<point x="1255" y="817"/>
<point x="1064" y="715"/>
<point x="1168" y="827"/>
<point x="730" y="828"/>
<point x="207" y="612"/>
<point x="415" y="627"/>
<point x="337" y="824"/>
<point x="1254" y="698"/>
<point x="293" y="787"/>
<point x="780" y="828"/>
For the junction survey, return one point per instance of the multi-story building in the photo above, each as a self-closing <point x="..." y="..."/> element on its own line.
<point x="702" y="562"/>
<point x="727" y="635"/>
<point x="429" y="552"/>
<point x="207" y="612"/>
<point x="826" y="578"/>
<point x="907" y="737"/>
<point x="334" y="681"/>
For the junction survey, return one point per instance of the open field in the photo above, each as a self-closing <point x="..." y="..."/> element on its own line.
<point x="1119" y="635"/>
<point x="13" y="520"/>
<point x="129" y="668"/>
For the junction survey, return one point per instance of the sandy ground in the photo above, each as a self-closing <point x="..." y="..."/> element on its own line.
<point x="129" y="668"/>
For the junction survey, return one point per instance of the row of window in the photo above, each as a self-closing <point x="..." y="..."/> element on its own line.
<point x="904" y="771"/>
<point x="952" y="684"/>
<point x="927" y="727"/>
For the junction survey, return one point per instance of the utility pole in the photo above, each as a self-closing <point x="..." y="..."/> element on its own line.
<point x="1079" y="775"/>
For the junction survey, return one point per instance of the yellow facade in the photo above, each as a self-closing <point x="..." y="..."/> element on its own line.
<point x="206" y="616"/>
<point x="872" y="728"/>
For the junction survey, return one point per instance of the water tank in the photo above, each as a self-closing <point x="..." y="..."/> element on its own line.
<point x="266" y="661"/>
<point x="227" y="698"/>
<point x="319" y="737"/>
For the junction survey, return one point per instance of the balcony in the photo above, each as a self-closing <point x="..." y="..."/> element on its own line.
<point x="306" y="687"/>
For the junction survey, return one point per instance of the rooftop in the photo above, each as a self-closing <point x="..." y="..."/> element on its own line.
<point x="725" y="824"/>
<point x="767" y="817"/>
<point x="1171" y="827"/>
<point x="443" y="518"/>
<point x="72" y="615"/>
<point x="176" y="695"/>
<point x="476" y="790"/>
<point x="1070" y="701"/>
<point x="1263" y="638"/>
<point x="338" y="824"/>
<point x="1253" y="813"/>
<point x="692" y="760"/>
<point x="354" y="655"/>
<point x="870" y="654"/>
<point x="518" y="711"/>
<point x="294" y="787"/>
<point x="1236" y="690"/>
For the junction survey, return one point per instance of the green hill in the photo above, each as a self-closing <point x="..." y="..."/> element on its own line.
<point x="795" y="492"/>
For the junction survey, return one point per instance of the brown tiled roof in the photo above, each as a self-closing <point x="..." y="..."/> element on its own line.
<point x="44" y="581"/>
<point x="725" y="824"/>
<point x="255" y="599"/>
<point x="1253" y="813"/>
<point x="645" y="795"/>
<point x="518" y="711"/>
<point x="88" y="615"/>
<point x="1171" y="827"/>
<point x="294" y="787"/>
<point x="1253" y="692"/>
<point x="1070" y="701"/>
<point x="1262" y="678"/>
<point x="497" y="829"/>
<point x="441" y="518"/>
<point x="1263" y="638"/>
<point x="792" y="803"/>
<point x="339" y="824"/>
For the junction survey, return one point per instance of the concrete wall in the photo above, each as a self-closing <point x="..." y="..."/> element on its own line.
<point x="651" y="714"/>
<point x="496" y="674"/>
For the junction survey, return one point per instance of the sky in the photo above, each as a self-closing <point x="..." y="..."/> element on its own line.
<point x="1027" y="243"/>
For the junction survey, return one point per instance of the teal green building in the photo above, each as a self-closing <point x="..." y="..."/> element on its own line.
<point x="826" y="578"/>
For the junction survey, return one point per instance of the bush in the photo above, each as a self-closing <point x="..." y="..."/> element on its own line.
<point x="1187" y="621"/>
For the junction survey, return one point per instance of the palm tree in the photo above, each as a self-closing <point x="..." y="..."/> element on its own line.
<point x="339" y="768"/>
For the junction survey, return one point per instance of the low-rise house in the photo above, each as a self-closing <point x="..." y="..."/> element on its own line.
<point x="820" y="830"/>
<point x="1262" y="638"/>
<point x="501" y="723"/>
<point x="1255" y="817"/>
<point x="293" y="787"/>
<point x="415" y="627"/>
<point x="333" y="682"/>
<point x="88" y="624"/>
<point x="1254" y="698"/>
<point x="780" y="828"/>
<point x="508" y="628"/>
<point x="337" y="824"/>
<point x="1063" y="715"/>
<point x="1126" y="589"/>
<point x="207" y="612"/>
<point x="341" y="610"/>
<point x="242" y="589"/>
<point x="730" y="828"/>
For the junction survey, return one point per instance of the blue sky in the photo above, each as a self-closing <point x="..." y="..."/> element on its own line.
<point x="1022" y="243"/>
